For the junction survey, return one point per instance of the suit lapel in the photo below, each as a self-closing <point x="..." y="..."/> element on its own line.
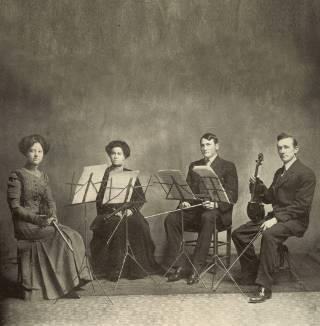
<point x="287" y="174"/>
<point x="215" y="165"/>
<point x="282" y="179"/>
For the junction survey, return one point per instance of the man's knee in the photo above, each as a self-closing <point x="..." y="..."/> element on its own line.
<point x="236" y="234"/>
<point x="208" y="216"/>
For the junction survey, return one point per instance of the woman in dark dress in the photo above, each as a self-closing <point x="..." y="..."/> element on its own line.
<point x="107" y="259"/>
<point x="50" y="269"/>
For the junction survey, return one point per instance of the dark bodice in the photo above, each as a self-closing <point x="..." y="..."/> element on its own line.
<point x="28" y="196"/>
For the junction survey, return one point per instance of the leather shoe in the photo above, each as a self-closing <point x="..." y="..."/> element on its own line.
<point x="72" y="295"/>
<point x="262" y="295"/>
<point x="176" y="275"/>
<point x="193" y="278"/>
<point x="81" y="284"/>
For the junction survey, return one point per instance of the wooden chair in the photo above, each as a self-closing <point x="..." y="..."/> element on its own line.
<point x="216" y="244"/>
<point x="24" y="260"/>
<point x="286" y="264"/>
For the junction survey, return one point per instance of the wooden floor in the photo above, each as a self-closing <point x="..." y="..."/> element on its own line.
<point x="306" y="268"/>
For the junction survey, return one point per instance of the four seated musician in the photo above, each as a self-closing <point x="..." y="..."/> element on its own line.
<point x="201" y="218"/>
<point x="107" y="259"/>
<point x="55" y="270"/>
<point x="34" y="211"/>
<point x="290" y="194"/>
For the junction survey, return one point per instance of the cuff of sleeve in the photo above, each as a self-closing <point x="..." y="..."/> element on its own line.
<point x="15" y="203"/>
<point x="40" y="221"/>
<point x="224" y="207"/>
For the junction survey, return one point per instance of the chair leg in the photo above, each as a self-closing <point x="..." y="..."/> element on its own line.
<point x="228" y="248"/>
<point x="286" y="257"/>
<point x="19" y="276"/>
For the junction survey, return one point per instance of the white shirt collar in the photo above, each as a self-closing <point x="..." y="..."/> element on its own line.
<point x="211" y="159"/>
<point x="288" y="164"/>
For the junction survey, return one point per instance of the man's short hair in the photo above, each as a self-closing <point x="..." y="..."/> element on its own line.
<point x="210" y="136"/>
<point x="284" y="135"/>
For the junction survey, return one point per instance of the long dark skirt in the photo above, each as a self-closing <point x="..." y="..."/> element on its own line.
<point x="107" y="259"/>
<point x="49" y="268"/>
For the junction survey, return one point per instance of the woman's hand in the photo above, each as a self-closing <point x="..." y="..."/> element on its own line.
<point x="41" y="220"/>
<point x="51" y="219"/>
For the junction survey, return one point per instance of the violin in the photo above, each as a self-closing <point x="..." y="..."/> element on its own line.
<point x="255" y="208"/>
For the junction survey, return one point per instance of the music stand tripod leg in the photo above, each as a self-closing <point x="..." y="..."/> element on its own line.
<point x="214" y="264"/>
<point x="87" y="262"/>
<point x="183" y="251"/>
<point x="132" y="256"/>
<point x="227" y="270"/>
<point x="129" y="253"/>
<point x="195" y="269"/>
<point x="180" y="253"/>
<point x="93" y="276"/>
<point x="223" y="267"/>
<point x="121" y="269"/>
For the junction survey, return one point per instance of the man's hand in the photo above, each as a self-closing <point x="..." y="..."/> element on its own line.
<point x="252" y="180"/>
<point x="185" y="204"/>
<point x="268" y="224"/>
<point x="258" y="184"/>
<point x="210" y="204"/>
<point x="51" y="219"/>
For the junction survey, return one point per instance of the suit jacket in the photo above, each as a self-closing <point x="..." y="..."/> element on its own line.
<point x="227" y="174"/>
<point x="291" y="196"/>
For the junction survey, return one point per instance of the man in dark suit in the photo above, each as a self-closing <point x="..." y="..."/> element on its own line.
<point x="290" y="194"/>
<point x="202" y="218"/>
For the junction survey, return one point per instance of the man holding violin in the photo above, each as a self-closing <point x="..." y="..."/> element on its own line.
<point x="201" y="218"/>
<point x="290" y="194"/>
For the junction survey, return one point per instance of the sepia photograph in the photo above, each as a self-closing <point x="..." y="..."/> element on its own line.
<point x="159" y="162"/>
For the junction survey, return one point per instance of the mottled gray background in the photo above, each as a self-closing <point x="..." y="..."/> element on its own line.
<point x="158" y="74"/>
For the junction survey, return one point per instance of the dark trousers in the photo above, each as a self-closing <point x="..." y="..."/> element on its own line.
<point x="271" y="238"/>
<point x="196" y="220"/>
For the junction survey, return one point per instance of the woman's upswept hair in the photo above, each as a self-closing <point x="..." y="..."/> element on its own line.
<point x="118" y="143"/>
<point x="27" y="141"/>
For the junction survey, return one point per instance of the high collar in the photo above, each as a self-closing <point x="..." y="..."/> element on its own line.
<point x="287" y="165"/>
<point x="114" y="168"/>
<point x="31" y="167"/>
<point x="210" y="160"/>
